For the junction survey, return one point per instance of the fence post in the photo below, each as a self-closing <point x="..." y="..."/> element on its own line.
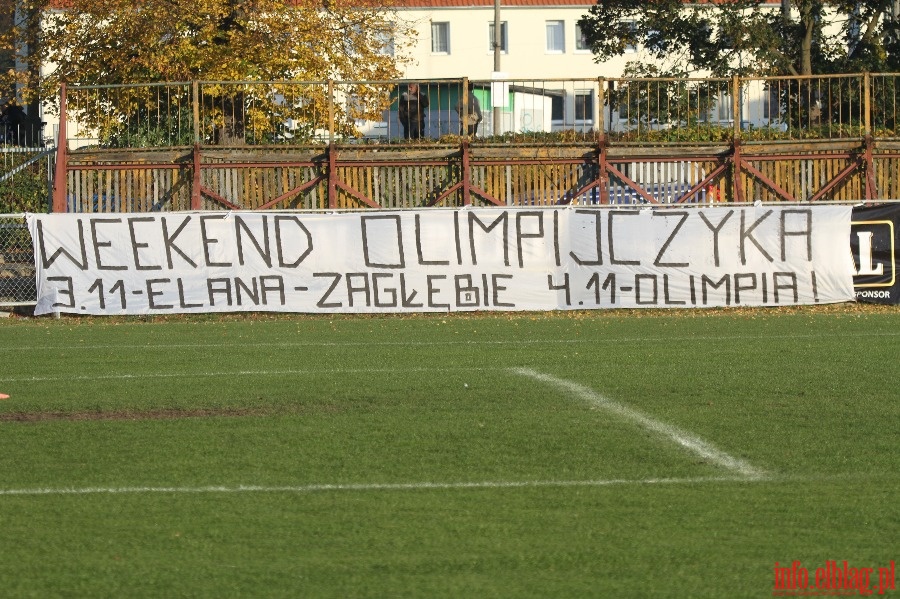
<point x="332" y="175"/>
<point x="196" y="203"/>
<point x="736" y="106"/>
<point x="330" y="112"/>
<point x="867" y="104"/>
<point x="466" y="173"/>
<point x="602" y="163"/>
<point x="737" y="185"/>
<point x="60" y="183"/>
<point x="601" y="111"/>
<point x="464" y="113"/>
<point x="195" y="99"/>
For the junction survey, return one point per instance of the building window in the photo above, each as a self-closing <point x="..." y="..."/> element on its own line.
<point x="440" y="38"/>
<point x="581" y="42"/>
<point x="584" y="106"/>
<point x="504" y="47"/>
<point x="724" y="108"/>
<point x="772" y="104"/>
<point x="386" y="39"/>
<point x="629" y="47"/>
<point x="556" y="37"/>
<point x="557" y="108"/>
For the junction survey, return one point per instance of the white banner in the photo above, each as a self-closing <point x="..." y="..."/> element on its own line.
<point x="439" y="260"/>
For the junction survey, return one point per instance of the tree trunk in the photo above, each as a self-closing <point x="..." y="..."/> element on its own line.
<point x="807" y="21"/>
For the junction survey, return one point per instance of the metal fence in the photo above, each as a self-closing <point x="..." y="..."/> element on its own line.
<point x="17" y="276"/>
<point x="26" y="178"/>
<point x="512" y="110"/>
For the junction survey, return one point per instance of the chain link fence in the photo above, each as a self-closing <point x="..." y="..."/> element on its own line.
<point x="17" y="282"/>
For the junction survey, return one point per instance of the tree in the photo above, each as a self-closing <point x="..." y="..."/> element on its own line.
<point x="748" y="37"/>
<point x="108" y="42"/>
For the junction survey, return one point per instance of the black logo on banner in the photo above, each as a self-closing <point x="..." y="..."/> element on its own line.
<point x="872" y="243"/>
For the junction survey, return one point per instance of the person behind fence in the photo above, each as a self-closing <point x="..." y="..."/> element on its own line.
<point x="468" y="124"/>
<point x="413" y="105"/>
<point x="12" y="120"/>
<point x="17" y="127"/>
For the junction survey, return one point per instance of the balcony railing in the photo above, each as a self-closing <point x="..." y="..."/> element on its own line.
<point x="531" y="111"/>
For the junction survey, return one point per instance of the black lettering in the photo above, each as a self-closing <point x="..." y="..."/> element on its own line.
<point x="597" y="238"/>
<point x="207" y="241"/>
<point x="638" y="287"/>
<point x="658" y="261"/>
<point x="153" y="293"/>
<point x="279" y="221"/>
<point x="136" y="245"/>
<point x="335" y="279"/>
<point x="564" y="286"/>
<point x="264" y="250"/>
<point x="219" y="287"/>
<point x="503" y="218"/>
<point x="363" y="287"/>
<point x="241" y="288"/>
<point x="433" y="291"/>
<point x="609" y="235"/>
<point x="270" y="283"/>
<point x="556" y="237"/>
<point x="739" y="285"/>
<point x="520" y="235"/>
<point x="407" y="300"/>
<point x="467" y="294"/>
<point x="103" y="244"/>
<point x="666" y="296"/>
<point x="484" y="288"/>
<point x="706" y="283"/>
<point x="456" y="237"/>
<point x="182" y="301"/>
<point x="422" y="260"/>
<point x="377" y="291"/>
<point x="804" y="231"/>
<point x="62" y="250"/>
<point x="382" y="243"/>
<point x="790" y="285"/>
<point x="119" y="286"/>
<point x="747" y="233"/>
<point x="715" y="231"/>
<point x="169" y="242"/>
<point x="68" y="291"/>
<point x="498" y="288"/>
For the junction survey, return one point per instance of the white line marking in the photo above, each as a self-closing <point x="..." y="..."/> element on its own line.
<point x="232" y="373"/>
<point x="468" y="342"/>
<point x="682" y="438"/>
<point x="376" y="486"/>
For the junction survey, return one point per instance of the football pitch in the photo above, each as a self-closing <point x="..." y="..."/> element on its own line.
<point x="606" y="454"/>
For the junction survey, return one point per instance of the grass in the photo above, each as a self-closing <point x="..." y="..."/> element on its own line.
<point x="407" y="457"/>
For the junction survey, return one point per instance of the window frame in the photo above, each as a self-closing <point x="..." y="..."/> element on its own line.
<point x="444" y="28"/>
<point x="559" y="26"/>
<point x="587" y="98"/>
<point x="581" y="44"/>
<point x="631" y="48"/>
<point x="504" y="37"/>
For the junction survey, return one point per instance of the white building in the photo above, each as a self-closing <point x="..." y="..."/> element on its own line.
<point x="539" y="39"/>
<point x="552" y="76"/>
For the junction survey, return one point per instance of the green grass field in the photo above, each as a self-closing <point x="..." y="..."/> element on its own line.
<point x="605" y="454"/>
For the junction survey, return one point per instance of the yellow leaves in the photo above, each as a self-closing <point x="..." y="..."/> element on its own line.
<point x="118" y="41"/>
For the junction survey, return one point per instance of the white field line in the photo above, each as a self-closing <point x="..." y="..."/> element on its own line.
<point x="232" y="373"/>
<point x="684" y="439"/>
<point x="238" y="343"/>
<point x="362" y="487"/>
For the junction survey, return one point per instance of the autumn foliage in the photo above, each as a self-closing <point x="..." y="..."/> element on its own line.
<point x="113" y="42"/>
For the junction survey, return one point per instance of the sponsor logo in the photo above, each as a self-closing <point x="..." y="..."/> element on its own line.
<point x="873" y="254"/>
<point x="834" y="579"/>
